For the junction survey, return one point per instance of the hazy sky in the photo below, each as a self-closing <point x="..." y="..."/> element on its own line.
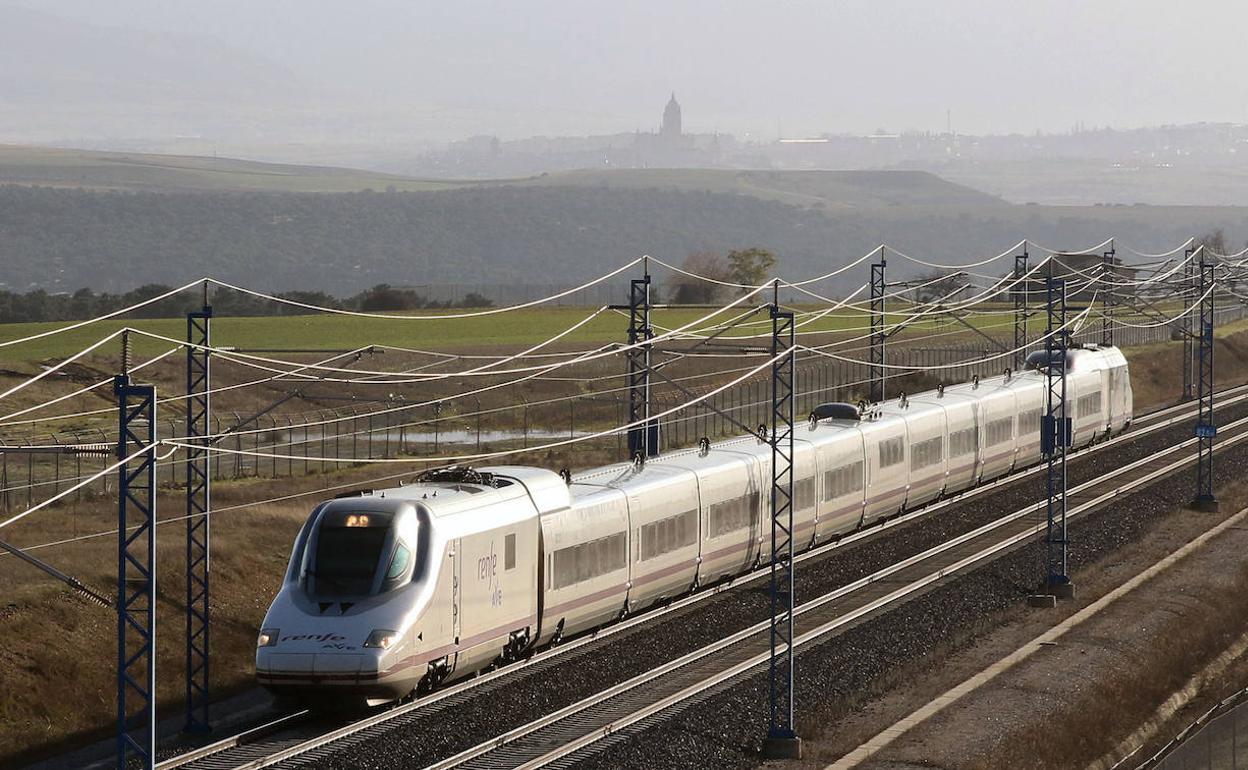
<point x="580" y="66"/>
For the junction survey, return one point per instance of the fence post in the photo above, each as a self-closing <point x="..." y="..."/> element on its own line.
<point x="477" y="407"/>
<point x="525" y="409"/>
<point x="437" y="426"/>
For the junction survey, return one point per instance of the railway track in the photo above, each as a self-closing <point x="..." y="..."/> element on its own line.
<point x="558" y="738"/>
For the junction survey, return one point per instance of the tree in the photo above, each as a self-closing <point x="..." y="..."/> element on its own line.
<point x="473" y="299"/>
<point x="694" y="290"/>
<point x="1214" y="242"/>
<point x="383" y="297"/>
<point x="750" y="266"/>
<point x="937" y="285"/>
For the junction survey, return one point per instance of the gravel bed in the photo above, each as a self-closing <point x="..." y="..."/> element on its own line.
<point x="516" y="700"/>
<point x="725" y="729"/>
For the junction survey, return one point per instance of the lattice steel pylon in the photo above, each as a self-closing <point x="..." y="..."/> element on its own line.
<point x="1020" y="309"/>
<point x="782" y="741"/>
<point x="136" y="573"/>
<point x="1206" y="429"/>
<point x="643" y="439"/>
<point x="1108" y="275"/>
<point x="1055" y="439"/>
<point x="1185" y="325"/>
<point x="879" y="336"/>
<point x="198" y="517"/>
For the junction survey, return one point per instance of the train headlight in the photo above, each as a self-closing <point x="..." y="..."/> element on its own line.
<point x="268" y="637"/>
<point x="381" y="638"/>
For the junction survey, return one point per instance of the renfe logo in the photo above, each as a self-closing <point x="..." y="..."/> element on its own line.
<point x="314" y="638"/>
<point x="487" y="570"/>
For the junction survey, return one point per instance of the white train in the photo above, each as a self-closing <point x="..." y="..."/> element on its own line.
<point x="395" y="589"/>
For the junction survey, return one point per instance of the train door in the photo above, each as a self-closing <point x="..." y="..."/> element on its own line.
<point x="456" y="582"/>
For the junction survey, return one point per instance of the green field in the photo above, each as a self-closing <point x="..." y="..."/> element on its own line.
<point x="508" y="330"/>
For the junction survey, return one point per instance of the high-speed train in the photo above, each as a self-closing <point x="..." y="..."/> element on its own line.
<point x="397" y="589"/>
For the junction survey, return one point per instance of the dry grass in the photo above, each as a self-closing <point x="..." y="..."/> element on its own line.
<point x="1156" y="370"/>
<point x="1111" y="704"/>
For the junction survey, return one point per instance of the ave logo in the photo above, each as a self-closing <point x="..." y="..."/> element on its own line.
<point x="487" y="571"/>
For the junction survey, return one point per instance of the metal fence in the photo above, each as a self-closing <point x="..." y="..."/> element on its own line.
<point x="1218" y="740"/>
<point x="290" y="445"/>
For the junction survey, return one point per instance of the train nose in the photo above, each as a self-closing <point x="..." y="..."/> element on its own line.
<point x="302" y="660"/>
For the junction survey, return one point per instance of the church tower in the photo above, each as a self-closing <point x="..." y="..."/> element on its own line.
<point x="670" y="128"/>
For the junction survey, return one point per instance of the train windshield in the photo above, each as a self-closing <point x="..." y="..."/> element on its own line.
<point x="347" y="558"/>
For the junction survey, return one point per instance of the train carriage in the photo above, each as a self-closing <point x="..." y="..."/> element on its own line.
<point x="664" y="521"/>
<point x="805" y="481"/>
<point x="1029" y="404"/>
<point x="885" y="443"/>
<point x="926" y="435"/>
<point x="585" y="550"/>
<point x="962" y="436"/>
<point x="995" y="413"/>
<point x="838" y="451"/>
<point x="730" y="487"/>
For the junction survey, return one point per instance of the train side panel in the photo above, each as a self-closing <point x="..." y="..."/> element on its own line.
<point x="1085" y="404"/>
<point x="996" y="430"/>
<point x="729" y="489"/>
<point x="926" y="431"/>
<point x="585" y="561"/>
<point x="842" y="481"/>
<point x="961" y="438"/>
<point x="496" y="599"/>
<point x="804" y="486"/>
<point x="886" y="450"/>
<point x="1029" y="402"/>
<point x="664" y="520"/>
<point x="1118" y="390"/>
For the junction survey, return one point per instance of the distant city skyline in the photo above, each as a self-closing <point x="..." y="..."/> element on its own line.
<point x="386" y="70"/>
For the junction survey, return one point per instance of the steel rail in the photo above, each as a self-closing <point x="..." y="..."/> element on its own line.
<point x="503" y="751"/>
<point x="251" y="742"/>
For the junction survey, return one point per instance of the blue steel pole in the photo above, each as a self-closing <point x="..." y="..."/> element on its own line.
<point x="878" y="336"/>
<point x="136" y="573"/>
<point x="782" y="741"/>
<point x="198" y="519"/>
<point x="1206" y="429"/>
<point x="1020" y="309"/>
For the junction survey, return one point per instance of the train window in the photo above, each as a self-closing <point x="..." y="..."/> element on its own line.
<point x="962" y="442"/>
<point x="1029" y="421"/>
<point x="999" y="431"/>
<point x="509" y="552"/>
<point x="926" y="453"/>
<point x="667" y="535"/>
<point x="842" y="481"/>
<point x="892" y="451"/>
<point x="398" y="564"/>
<point x="586" y="561"/>
<point x="1088" y="405"/>
<point x="346" y="559"/>
<point x="804" y="493"/>
<point x="731" y="515"/>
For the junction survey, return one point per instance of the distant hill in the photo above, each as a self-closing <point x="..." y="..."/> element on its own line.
<point x="63" y="239"/>
<point x="822" y="189"/>
<point x="55" y="167"/>
<point x="830" y="190"/>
